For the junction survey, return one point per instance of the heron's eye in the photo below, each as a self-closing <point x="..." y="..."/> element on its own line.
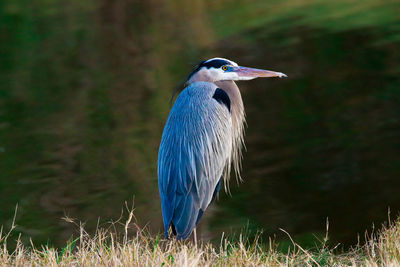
<point x="225" y="68"/>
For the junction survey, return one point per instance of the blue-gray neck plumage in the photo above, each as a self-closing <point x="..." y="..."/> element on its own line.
<point x="238" y="120"/>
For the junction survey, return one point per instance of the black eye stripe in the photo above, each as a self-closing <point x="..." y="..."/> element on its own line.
<point x="216" y="63"/>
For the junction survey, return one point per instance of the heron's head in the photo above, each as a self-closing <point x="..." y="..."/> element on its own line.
<point x="222" y="69"/>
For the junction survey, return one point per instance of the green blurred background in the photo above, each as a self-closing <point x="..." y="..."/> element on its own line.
<point x="85" y="90"/>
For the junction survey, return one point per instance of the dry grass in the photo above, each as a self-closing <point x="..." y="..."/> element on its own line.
<point x="106" y="248"/>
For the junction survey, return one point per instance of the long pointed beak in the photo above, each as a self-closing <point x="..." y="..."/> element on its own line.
<point x="251" y="73"/>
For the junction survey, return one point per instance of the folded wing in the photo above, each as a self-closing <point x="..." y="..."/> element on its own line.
<point x="194" y="152"/>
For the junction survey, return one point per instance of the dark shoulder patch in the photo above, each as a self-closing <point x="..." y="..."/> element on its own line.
<point x="222" y="97"/>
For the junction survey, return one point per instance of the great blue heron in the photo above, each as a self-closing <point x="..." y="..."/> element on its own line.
<point x="202" y="139"/>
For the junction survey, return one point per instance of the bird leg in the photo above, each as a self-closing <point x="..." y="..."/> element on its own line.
<point x="195" y="237"/>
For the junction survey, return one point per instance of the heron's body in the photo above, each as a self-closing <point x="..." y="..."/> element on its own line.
<point x="202" y="139"/>
<point x="196" y="161"/>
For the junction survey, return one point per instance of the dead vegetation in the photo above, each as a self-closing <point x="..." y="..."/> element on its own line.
<point x="108" y="248"/>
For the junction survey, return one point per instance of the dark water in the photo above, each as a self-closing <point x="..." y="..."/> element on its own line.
<point x="323" y="143"/>
<point x="85" y="90"/>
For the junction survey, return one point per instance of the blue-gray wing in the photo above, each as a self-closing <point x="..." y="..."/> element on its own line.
<point x="195" y="149"/>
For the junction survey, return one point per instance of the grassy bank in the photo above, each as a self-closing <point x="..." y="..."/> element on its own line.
<point x="115" y="247"/>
